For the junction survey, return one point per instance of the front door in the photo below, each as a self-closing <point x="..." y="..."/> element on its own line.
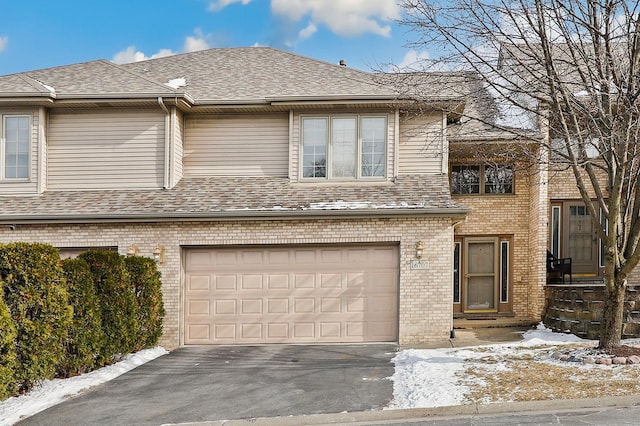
<point x="481" y="277"/>
<point x="580" y="241"/>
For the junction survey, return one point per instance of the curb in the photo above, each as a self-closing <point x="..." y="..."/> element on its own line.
<point x="437" y="413"/>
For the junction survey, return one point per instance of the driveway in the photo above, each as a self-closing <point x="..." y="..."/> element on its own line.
<point x="234" y="382"/>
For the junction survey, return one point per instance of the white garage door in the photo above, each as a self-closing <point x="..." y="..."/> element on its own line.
<point x="297" y="294"/>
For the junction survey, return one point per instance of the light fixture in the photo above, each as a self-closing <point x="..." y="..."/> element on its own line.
<point x="419" y="249"/>
<point x="133" y="250"/>
<point x="158" y="254"/>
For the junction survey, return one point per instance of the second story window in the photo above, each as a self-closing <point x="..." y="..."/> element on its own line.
<point x="482" y="179"/>
<point x="344" y="147"/>
<point x="14" y="147"/>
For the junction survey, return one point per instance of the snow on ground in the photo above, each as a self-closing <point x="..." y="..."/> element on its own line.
<point x="423" y="377"/>
<point x="426" y="378"/>
<point x="52" y="392"/>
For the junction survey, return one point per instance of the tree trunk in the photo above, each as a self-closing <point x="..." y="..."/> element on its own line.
<point x="612" y="314"/>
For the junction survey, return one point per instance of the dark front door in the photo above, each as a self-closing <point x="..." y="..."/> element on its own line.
<point x="580" y="240"/>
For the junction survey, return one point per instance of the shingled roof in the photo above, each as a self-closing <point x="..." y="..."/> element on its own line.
<point x="211" y="76"/>
<point x="238" y="197"/>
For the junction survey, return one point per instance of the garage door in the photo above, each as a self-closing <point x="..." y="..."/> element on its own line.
<point x="295" y="294"/>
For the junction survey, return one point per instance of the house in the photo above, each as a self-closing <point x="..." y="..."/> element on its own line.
<point x="286" y="200"/>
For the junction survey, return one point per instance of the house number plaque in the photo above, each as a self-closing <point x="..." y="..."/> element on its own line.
<point x="420" y="264"/>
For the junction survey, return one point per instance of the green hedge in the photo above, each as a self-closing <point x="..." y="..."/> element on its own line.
<point x="117" y="300"/>
<point x="8" y="335"/>
<point x="86" y="337"/>
<point x="145" y="279"/>
<point x="35" y="292"/>
<point x="69" y="317"/>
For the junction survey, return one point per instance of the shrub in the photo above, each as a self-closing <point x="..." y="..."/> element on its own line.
<point x="118" y="305"/>
<point x="86" y="337"/>
<point x="35" y="292"/>
<point x="145" y="279"/>
<point x="7" y="350"/>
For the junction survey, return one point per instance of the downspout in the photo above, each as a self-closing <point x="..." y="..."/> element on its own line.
<point x="42" y="146"/>
<point x="396" y="143"/>
<point x="445" y="145"/>
<point x="292" y="149"/>
<point x="167" y="150"/>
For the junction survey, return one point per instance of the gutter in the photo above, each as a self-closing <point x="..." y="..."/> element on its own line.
<point x="454" y="213"/>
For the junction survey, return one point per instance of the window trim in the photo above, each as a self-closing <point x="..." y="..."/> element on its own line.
<point x="329" y="148"/>
<point x="3" y="145"/>
<point x="482" y="176"/>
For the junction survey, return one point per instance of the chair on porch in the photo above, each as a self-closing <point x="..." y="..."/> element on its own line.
<point x="558" y="268"/>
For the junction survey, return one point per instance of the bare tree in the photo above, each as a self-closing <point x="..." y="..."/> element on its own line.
<point x="572" y="68"/>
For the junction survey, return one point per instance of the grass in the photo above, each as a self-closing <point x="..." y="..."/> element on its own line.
<point x="529" y="374"/>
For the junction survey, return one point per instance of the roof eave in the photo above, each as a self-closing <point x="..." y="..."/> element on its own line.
<point x="455" y="213"/>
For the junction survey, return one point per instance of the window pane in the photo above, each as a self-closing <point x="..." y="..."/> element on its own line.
<point x="374" y="138"/>
<point x="16" y="137"/>
<point x="343" y="139"/>
<point x="314" y="147"/>
<point x="498" y="179"/>
<point x="465" y="179"/>
<point x="504" y="271"/>
<point x="456" y="273"/>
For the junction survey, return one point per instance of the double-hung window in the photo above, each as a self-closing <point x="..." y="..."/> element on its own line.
<point x="15" y="143"/>
<point x="344" y="147"/>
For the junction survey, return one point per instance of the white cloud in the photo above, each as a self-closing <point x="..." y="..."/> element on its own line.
<point x="308" y="31"/>
<point x="216" y="5"/>
<point x="413" y="61"/>
<point x="4" y="41"/>
<point x="191" y="44"/>
<point x="130" y="54"/>
<point x="343" y="17"/>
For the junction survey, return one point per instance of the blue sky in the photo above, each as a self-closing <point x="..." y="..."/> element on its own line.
<point x="45" y="33"/>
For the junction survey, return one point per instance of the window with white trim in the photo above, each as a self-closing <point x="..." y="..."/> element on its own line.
<point x="343" y="147"/>
<point x="15" y="144"/>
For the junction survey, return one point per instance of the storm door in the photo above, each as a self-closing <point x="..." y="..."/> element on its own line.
<point x="481" y="275"/>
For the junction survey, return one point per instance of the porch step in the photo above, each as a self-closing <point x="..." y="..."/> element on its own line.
<point x="492" y="322"/>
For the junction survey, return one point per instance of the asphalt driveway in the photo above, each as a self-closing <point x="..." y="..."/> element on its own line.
<point x="236" y="382"/>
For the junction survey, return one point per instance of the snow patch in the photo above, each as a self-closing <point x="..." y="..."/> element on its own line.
<point x="176" y="83"/>
<point x="52" y="392"/>
<point x="49" y="88"/>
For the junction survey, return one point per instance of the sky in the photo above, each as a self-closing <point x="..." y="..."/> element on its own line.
<point x="47" y="33"/>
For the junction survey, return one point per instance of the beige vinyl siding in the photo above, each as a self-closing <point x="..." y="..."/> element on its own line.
<point x="421" y="140"/>
<point x="117" y="149"/>
<point x="256" y="145"/>
<point x="296" y="142"/>
<point x="30" y="185"/>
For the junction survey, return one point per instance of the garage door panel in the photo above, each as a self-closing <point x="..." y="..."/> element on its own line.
<point x="278" y="281"/>
<point x="199" y="307"/>
<point x="291" y="295"/>
<point x="304" y="280"/>
<point x="225" y="282"/>
<point x="251" y="282"/>
<point x="199" y="283"/>
<point x="226" y="307"/>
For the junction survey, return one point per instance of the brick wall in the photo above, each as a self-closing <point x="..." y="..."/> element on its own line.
<point x="505" y="216"/>
<point x="425" y="311"/>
